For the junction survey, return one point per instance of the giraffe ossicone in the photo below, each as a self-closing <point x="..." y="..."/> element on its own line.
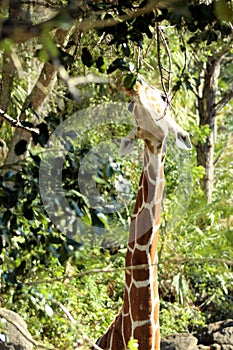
<point x="139" y="317"/>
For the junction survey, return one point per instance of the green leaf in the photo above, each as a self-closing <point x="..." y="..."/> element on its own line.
<point x="86" y="57"/>
<point x="44" y="134"/>
<point x="98" y="180"/>
<point x="21" y="147"/>
<point x="118" y="63"/>
<point x="104" y="219"/>
<point x="224" y="10"/>
<point x="130" y="81"/>
<point x="65" y="58"/>
<point x="126" y="49"/>
<point x="133" y="344"/>
<point x="49" y="46"/>
<point x="20" y="269"/>
<point x="100" y="64"/>
<point x="7" y="45"/>
<point x="28" y="211"/>
<point x="48" y="310"/>
<point x="42" y="55"/>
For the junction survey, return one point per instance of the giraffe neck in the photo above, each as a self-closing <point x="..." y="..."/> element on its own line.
<point x="141" y="306"/>
<point x="139" y="317"/>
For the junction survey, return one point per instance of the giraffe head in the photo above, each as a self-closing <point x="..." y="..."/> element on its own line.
<point x="153" y="120"/>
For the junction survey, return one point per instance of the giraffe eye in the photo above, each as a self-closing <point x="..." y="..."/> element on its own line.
<point x="164" y="97"/>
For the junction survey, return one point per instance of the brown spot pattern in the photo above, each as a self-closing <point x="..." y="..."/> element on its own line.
<point x="144" y="333"/>
<point x="140" y="302"/>
<point x="141" y="275"/>
<point x="144" y="223"/>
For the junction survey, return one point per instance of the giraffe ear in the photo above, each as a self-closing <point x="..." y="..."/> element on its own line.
<point x="128" y="142"/>
<point x="183" y="140"/>
<point x="127" y="145"/>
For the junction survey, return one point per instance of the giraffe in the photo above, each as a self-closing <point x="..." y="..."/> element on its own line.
<point x="139" y="317"/>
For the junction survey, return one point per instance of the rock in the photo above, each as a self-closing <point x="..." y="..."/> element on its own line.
<point x="219" y="335"/>
<point x="14" y="334"/>
<point x="4" y="346"/>
<point x="216" y="336"/>
<point x="183" y="341"/>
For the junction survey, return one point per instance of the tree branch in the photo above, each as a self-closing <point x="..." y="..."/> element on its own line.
<point x="22" y="31"/>
<point x="16" y="123"/>
<point x="228" y="96"/>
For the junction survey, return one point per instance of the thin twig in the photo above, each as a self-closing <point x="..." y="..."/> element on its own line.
<point x="147" y="64"/>
<point x="139" y="64"/>
<point x="101" y="39"/>
<point x="91" y="272"/>
<point x="159" y="32"/>
<point x="148" y="47"/>
<point x="184" y="66"/>
<point x="159" y="61"/>
<point x="202" y="260"/>
<point x="226" y="147"/>
<point x="216" y="161"/>
<point x="170" y="70"/>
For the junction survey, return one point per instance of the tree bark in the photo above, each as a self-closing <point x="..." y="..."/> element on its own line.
<point x="8" y="70"/>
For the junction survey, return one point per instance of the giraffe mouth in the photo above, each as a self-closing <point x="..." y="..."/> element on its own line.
<point x="131" y="92"/>
<point x="184" y="139"/>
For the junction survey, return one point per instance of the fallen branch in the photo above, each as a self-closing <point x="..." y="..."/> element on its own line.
<point x="72" y="320"/>
<point x="128" y="269"/>
<point x="21" y="330"/>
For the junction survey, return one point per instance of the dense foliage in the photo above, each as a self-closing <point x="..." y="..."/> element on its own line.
<point x="62" y="269"/>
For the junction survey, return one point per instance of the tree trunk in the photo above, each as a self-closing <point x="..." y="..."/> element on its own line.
<point x="207" y="116"/>
<point x="34" y="102"/>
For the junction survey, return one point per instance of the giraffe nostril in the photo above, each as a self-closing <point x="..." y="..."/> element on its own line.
<point x="131" y="105"/>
